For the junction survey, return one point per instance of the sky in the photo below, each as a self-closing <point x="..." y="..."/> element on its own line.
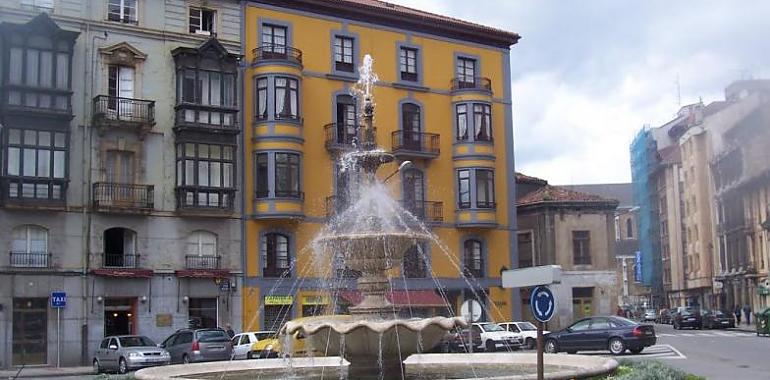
<point x="588" y="75"/>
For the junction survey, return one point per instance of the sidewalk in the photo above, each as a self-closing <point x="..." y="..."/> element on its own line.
<point x="45" y="372"/>
<point x="745" y="328"/>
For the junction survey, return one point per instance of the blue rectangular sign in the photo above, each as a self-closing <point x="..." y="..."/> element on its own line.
<point x="638" y="267"/>
<point x="58" y="300"/>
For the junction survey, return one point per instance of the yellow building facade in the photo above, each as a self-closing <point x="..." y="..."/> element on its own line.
<point x="443" y="101"/>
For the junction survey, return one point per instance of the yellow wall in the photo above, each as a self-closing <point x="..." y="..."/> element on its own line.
<point x="312" y="36"/>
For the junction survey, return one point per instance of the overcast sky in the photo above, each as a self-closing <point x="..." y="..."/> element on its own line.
<point x="587" y="75"/>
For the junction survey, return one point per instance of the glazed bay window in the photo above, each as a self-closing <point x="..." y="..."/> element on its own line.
<point x="261" y="101"/>
<point x="283" y="181"/>
<point x="477" y="128"/>
<point x="36" y="167"/>
<point x="212" y="92"/>
<point x="476" y="188"/>
<point x="343" y="53"/>
<point x="205" y="175"/>
<point x="408" y="64"/>
<point x="122" y="11"/>
<point x="38" y="74"/>
<point x="286" y="98"/>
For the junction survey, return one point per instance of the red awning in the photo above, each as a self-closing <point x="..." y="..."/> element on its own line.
<point x="403" y="298"/>
<point x="123" y="272"/>
<point x="203" y="273"/>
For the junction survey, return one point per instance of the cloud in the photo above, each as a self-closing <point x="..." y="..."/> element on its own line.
<point x="586" y="76"/>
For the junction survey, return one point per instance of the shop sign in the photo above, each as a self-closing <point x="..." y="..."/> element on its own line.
<point x="163" y="320"/>
<point x="315" y="300"/>
<point x="278" y="300"/>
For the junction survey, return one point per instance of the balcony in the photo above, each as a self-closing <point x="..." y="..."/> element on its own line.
<point x="209" y="200"/>
<point x="123" y="113"/>
<point x="118" y="260"/>
<point x="408" y="144"/>
<point x="202" y="262"/>
<point x="476" y="84"/>
<point x="123" y="197"/>
<point x="206" y="118"/>
<point x="274" y="272"/>
<point x="33" y="193"/>
<point x="273" y="52"/>
<point x="425" y="211"/>
<point x="30" y="259"/>
<point x="341" y="138"/>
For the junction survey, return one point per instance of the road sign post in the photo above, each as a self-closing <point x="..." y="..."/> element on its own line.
<point x="58" y="302"/>
<point x="543" y="304"/>
<point x="471" y="311"/>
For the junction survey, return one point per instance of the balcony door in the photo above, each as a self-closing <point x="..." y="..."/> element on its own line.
<point x="120" y="88"/>
<point x="346" y="119"/>
<point x="120" y="248"/>
<point x="414" y="192"/>
<point x="412" y="129"/>
<point x="119" y="175"/>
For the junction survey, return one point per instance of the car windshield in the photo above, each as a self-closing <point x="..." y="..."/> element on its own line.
<point x="526" y="326"/>
<point x="650" y="311"/>
<point x="491" y="327"/>
<point x="213" y="336"/>
<point x="265" y="335"/>
<point x="719" y="313"/>
<point x="136" y="341"/>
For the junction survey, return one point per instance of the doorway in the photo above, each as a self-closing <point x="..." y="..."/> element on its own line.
<point x="582" y="302"/>
<point x="30" y="331"/>
<point x="119" y="316"/>
<point x="120" y="248"/>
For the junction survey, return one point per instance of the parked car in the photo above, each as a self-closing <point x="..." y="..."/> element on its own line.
<point x="198" y="345"/>
<point x="128" y="352"/>
<point x="687" y="318"/>
<point x="616" y="334"/>
<point x="494" y="337"/>
<point x="664" y="317"/>
<point x="526" y="331"/>
<point x="242" y="343"/>
<point x="457" y="340"/>
<point x="717" y="319"/>
<point x="649" y="315"/>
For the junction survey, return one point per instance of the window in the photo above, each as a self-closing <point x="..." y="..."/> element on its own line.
<point x="275" y="255"/>
<point x="474" y="261"/>
<point x="122" y="11"/>
<point x="347" y="119"/>
<point x="415" y="260"/>
<point x="274" y="40"/>
<point x="120" y="248"/>
<point x="581" y="325"/>
<point x="466" y="72"/>
<point x="37" y="67"/>
<point x="36" y="164"/>
<point x="203" y="172"/>
<point x="411" y="128"/>
<point x="462" y="122"/>
<point x="482" y="122"/>
<point x="408" y="64"/>
<point x="286" y="98"/>
<point x="464" y="188"/>
<point x="343" y="53"/>
<point x="207" y="88"/>
<point x="581" y="247"/>
<point x="202" y="243"/>
<point x="525" y="245"/>
<point x="485" y="188"/>
<point x="414" y="192"/>
<point x="203" y="313"/>
<point x="29" y="247"/>
<point x="629" y="229"/>
<point x="285" y="182"/>
<point x="261" y="102"/>
<point x="44" y="4"/>
<point x="202" y="21"/>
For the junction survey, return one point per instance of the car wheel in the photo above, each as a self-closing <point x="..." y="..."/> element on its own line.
<point x="122" y="366"/>
<point x="97" y="366"/>
<point x="530" y="343"/>
<point x="617" y="346"/>
<point x="250" y="355"/>
<point x="185" y="359"/>
<point x="490" y="346"/>
<point x="636" y="350"/>
<point x="676" y="326"/>
<point x="698" y="327"/>
<point x="551" y="347"/>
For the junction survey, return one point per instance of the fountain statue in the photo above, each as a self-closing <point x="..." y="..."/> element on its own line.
<point x="371" y="236"/>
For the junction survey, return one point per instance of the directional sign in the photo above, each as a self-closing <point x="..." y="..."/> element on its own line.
<point x="58" y="300"/>
<point x="471" y="310"/>
<point x="542" y="303"/>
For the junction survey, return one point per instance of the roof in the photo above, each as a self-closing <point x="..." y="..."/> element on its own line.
<point x="523" y="178"/>
<point x="622" y="192"/>
<point x="385" y="13"/>
<point x="559" y="195"/>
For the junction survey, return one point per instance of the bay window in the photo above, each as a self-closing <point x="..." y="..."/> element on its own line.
<point x="39" y="75"/>
<point x="283" y="181"/>
<point x="36" y="164"/>
<point x="485" y="188"/>
<point x="261" y="95"/>
<point x="476" y="128"/>
<point x="476" y="188"/>
<point x="205" y="174"/>
<point x="212" y="91"/>
<point x="286" y="98"/>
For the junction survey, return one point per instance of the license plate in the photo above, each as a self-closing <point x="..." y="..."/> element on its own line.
<point x="690" y="319"/>
<point x="725" y="322"/>
<point x="648" y="333"/>
<point x="216" y="348"/>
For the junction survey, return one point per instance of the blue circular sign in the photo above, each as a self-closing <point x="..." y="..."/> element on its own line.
<point x="542" y="303"/>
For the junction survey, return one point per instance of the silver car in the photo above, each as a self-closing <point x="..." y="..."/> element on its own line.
<point x="128" y="352"/>
<point x="198" y="345"/>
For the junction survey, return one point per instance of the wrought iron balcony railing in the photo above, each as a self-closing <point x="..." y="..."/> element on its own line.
<point x="418" y="143"/>
<point x="428" y="211"/>
<point x="123" y="196"/>
<point x="343" y="136"/>
<point x="202" y="262"/>
<point x="471" y="83"/>
<point x="30" y="259"/>
<point x="117" y="260"/>
<point x="277" y="52"/>
<point x="114" y="110"/>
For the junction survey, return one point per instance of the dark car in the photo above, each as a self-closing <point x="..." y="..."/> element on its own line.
<point x="664" y="317"/>
<point x="616" y="334"/>
<point x="457" y="341"/>
<point x="687" y="318"/>
<point x="717" y="319"/>
<point x="198" y="345"/>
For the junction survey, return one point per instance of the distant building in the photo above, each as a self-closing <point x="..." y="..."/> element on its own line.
<point x="577" y="231"/>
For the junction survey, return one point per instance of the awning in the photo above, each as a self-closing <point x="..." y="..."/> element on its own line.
<point x="123" y="272"/>
<point x="402" y="298"/>
<point x="203" y="273"/>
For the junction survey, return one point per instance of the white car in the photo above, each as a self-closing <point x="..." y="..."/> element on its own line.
<point x="526" y="331"/>
<point x="494" y="337"/>
<point x="242" y="343"/>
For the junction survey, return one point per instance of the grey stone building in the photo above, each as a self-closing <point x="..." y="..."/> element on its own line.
<point x="119" y="135"/>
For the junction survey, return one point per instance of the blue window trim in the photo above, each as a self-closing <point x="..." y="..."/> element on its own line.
<point x="476" y="69"/>
<point x="271" y="98"/>
<point x="472" y="123"/>
<point x="419" y="63"/>
<point x="292" y="250"/>
<point x="356" y="53"/>
<point x="271" y="171"/>
<point x="473" y="185"/>
<point x="484" y="252"/>
<point x="419" y="105"/>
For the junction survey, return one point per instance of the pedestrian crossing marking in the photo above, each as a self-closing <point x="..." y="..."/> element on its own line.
<point x="708" y="334"/>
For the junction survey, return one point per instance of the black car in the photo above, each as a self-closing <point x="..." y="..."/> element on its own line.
<point x="457" y="341"/>
<point x="616" y="334"/>
<point x="717" y="319"/>
<point x="664" y="317"/>
<point x="688" y="318"/>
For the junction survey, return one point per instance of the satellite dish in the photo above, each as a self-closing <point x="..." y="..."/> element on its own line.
<point x="471" y="310"/>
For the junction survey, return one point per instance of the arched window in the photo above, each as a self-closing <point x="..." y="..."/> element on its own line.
<point x="415" y="262"/>
<point x="29" y="247"/>
<point x="629" y="229"/>
<point x="474" y="260"/>
<point x="276" y="261"/>
<point x="411" y="126"/>
<point x="120" y="248"/>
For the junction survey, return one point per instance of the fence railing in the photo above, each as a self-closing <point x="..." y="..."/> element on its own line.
<point x="420" y="142"/>
<point x="277" y="52"/>
<point x="471" y="83"/>
<point x="117" y="260"/>
<point x="428" y="211"/>
<point x="115" y="108"/>
<point x="202" y="262"/>
<point x="30" y="259"/>
<point x="123" y="195"/>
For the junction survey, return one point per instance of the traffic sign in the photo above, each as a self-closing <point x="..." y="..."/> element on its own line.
<point x="58" y="300"/>
<point x="471" y="310"/>
<point x="542" y="303"/>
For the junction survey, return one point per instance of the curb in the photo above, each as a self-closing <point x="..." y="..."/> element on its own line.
<point x="37" y="373"/>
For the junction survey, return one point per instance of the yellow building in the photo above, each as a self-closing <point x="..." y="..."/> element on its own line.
<point x="443" y="101"/>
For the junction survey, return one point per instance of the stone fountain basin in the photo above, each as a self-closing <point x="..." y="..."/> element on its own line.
<point x="371" y="252"/>
<point x="392" y="340"/>
<point x="251" y="369"/>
